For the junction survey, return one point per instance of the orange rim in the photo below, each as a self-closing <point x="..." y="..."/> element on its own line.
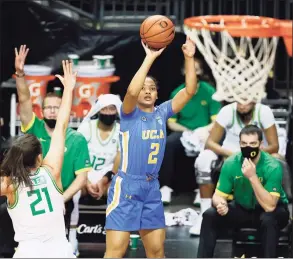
<point x="245" y="26"/>
<point x="238" y="25"/>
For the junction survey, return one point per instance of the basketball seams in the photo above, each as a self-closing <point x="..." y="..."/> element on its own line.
<point x="160" y="35"/>
<point x="160" y="32"/>
<point x="151" y="25"/>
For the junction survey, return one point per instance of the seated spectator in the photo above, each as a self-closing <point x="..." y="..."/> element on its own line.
<point x="101" y="131"/>
<point x="255" y="178"/>
<point x="230" y="121"/>
<point x="198" y="113"/>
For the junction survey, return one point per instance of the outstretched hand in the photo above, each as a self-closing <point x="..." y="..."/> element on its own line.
<point x="69" y="78"/>
<point x="151" y="52"/>
<point x="188" y="48"/>
<point x="20" y="57"/>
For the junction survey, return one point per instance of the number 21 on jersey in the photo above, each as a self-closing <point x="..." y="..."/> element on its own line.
<point x="39" y="201"/>
<point x="152" y="156"/>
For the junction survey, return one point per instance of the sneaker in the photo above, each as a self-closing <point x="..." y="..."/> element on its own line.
<point x="195" y="230"/>
<point x="196" y="201"/>
<point x="166" y="194"/>
<point x="74" y="245"/>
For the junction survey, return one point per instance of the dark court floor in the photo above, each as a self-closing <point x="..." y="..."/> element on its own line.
<point x="178" y="241"/>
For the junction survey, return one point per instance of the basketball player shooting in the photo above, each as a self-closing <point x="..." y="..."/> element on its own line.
<point x="134" y="200"/>
<point x="33" y="186"/>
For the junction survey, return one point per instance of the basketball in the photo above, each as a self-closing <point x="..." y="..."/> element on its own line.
<point x="157" y="31"/>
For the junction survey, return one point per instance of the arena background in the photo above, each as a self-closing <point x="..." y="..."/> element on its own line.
<point x="52" y="29"/>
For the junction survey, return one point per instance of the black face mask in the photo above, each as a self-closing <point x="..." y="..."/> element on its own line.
<point x="51" y="123"/>
<point x="107" y="119"/>
<point x="245" y="116"/>
<point x="249" y="152"/>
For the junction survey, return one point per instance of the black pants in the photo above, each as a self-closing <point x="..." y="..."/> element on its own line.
<point x="177" y="169"/>
<point x="67" y="217"/>
<point x="268" y="223"/>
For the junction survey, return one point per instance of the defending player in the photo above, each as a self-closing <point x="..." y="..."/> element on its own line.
<point x="134" y="200"/>
<point x="33" y="186"/>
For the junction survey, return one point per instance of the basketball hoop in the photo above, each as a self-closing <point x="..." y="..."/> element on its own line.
<point x="240" y="51"/>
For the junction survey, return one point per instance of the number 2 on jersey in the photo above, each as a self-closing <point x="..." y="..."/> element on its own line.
<point x="39" y="199"/>
<point x="152" y="159"/>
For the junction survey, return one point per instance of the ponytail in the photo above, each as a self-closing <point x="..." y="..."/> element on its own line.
<point x="13" y="167"/>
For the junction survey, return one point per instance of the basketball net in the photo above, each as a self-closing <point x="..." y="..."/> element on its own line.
<point x="240" y="65"/>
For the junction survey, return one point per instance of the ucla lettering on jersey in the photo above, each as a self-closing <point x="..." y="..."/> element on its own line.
<point x="143" y="140"/>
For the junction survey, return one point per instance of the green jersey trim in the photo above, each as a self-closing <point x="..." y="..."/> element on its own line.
<point x="12" y="206"/>
<point x="35" y="173"/>
<point x="53" y="180"/>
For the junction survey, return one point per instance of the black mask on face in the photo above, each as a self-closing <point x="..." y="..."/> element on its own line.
<point x="51" y="123"/>
<point x="107" y="119"/>
<point x="249" y="152"/>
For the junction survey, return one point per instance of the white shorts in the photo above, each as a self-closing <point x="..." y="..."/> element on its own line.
<point x="57" y="248"/>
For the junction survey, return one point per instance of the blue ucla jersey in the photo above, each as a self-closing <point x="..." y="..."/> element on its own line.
<point x="143" y="140"/>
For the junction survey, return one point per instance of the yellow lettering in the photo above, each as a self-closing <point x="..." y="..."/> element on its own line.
<point x="153" y="134"/>
<point x="145" y="134"/>
<point x="162" y="134"/>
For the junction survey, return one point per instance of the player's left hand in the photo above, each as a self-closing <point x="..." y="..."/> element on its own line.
<point x="188" y="48"/>
<point x="248" y="168"/>
<point x="69" y="78"/>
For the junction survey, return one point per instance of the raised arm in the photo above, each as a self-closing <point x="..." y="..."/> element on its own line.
<point x="24" y="98"/>
<point x="184" y="95"/>
<point x="54" y="158"/>
<point x="136" y="84"/>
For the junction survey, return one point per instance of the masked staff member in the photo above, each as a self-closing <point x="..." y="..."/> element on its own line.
<point x="255" y="178"/>
<point x="101" y="130"/>
<point x="231" y="119"/>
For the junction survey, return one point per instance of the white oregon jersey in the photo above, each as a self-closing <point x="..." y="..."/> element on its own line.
<point x="102" y="152"/>
<point x="38" y="212"/>
<point x="227" y="118"/>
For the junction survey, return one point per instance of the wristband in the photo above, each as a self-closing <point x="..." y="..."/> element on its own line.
<point x="18" y="75"/>
<point x="109" y="175"/>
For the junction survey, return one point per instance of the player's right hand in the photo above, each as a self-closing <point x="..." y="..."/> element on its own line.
<point x="20" y="57"/>
<point x="222" y="208"/>
<point x="151" y="52"/>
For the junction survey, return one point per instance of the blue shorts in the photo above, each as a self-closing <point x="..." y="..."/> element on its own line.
<point x="134" y="203"/>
